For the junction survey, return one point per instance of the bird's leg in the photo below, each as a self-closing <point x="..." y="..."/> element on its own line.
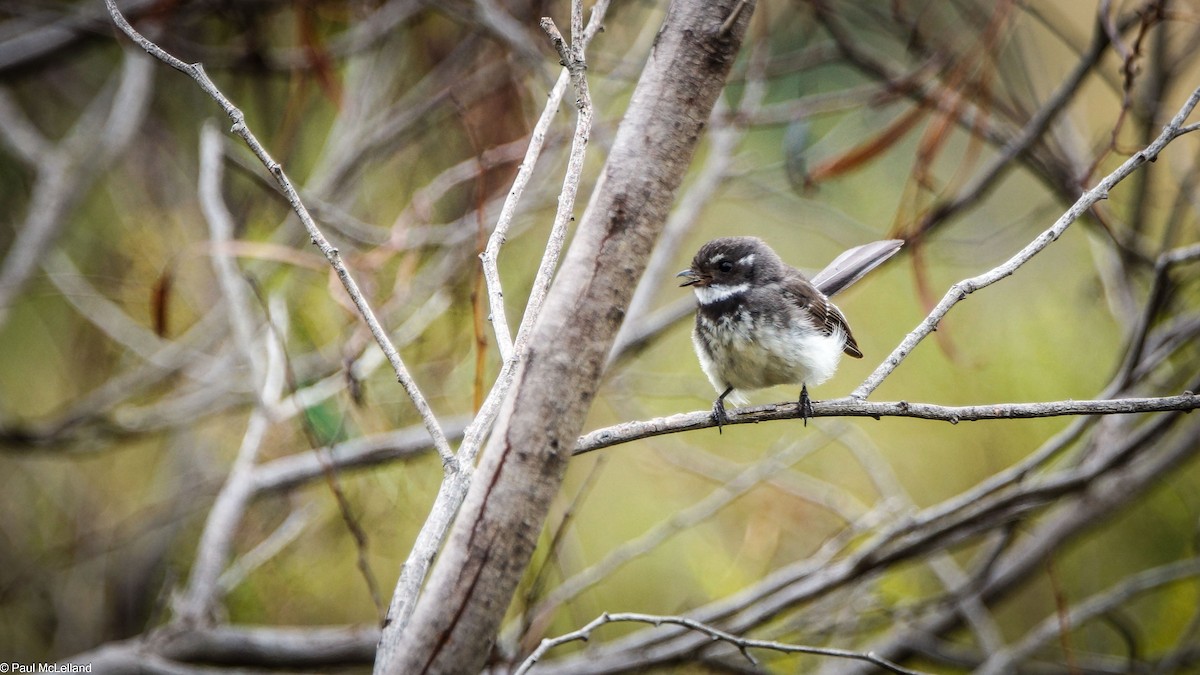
<point x="806" y="408"/>
<point x="719" y="408"/>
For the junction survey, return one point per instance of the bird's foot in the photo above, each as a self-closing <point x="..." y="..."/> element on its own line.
<point x="718" y="413"/>
<point x="805" y="403"/>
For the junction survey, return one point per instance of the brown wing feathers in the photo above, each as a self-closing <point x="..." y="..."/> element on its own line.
<point x="825" y="314"/>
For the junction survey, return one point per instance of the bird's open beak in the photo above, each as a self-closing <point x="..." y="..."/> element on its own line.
<point x="692" y="277"/>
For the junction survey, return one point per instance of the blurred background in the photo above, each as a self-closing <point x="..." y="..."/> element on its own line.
<point x="964" y="127"/>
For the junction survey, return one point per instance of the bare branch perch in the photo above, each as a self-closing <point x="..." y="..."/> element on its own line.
<point x="847" y="407"/>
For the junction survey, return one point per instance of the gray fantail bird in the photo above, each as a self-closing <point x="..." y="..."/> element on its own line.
<point x="760" y="322"/>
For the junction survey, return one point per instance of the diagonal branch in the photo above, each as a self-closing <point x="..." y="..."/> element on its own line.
<point x="196" y="72"/>
<point x="959" y="291"/>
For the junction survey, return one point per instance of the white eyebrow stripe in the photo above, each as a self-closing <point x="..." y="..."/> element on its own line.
<point x="716" y="258"/>
<point x="747" y="260"/>
<point x="708" y="295"/>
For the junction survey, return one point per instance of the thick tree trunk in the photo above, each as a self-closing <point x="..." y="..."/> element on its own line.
<point x="492" y="539"/>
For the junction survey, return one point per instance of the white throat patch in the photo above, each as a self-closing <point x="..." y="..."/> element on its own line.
<point x="715" y="293"/>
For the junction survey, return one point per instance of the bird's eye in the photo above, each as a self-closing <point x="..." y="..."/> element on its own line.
<point x="726" y="266"/>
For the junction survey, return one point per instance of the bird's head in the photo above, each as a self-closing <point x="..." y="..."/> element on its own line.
<point x="730" y="265"/>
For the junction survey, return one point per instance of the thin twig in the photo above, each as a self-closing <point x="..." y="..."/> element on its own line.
<point x="491" y="254"/>
<point x="565" y="214"/>
<point x="743" y="644"/>
<point x="732" y="18"/>
<point x="1155" y="299"/>
<point x="537" y="138"/>
<point x="1033" y="131"/>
